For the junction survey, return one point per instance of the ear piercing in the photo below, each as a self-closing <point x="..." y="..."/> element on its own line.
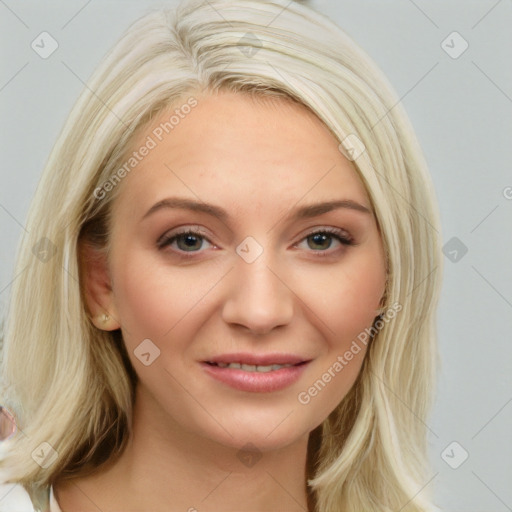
<point x="101" y="321"/>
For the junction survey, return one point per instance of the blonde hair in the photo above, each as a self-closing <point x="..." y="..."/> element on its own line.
<point x="71" y="385"/>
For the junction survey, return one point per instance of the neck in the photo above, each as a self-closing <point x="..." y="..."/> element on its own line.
<point x="165" y="465"/>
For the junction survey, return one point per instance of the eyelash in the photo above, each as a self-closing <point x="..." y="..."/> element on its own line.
<point x="340" y="235"/>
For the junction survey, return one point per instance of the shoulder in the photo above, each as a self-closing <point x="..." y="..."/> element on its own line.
<point x="14" y="498"/>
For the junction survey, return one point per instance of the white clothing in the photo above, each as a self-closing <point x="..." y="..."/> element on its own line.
<point x="14" y="498"/>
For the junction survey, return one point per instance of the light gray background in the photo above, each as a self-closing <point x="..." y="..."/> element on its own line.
<point x="461" y="109"/>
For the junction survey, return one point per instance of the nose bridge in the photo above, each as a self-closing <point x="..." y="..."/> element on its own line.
<point x="257" y="298"/>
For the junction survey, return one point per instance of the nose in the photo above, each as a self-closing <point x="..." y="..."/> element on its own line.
<point x="259" y="299"/>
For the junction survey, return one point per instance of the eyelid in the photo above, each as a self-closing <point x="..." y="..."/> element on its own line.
<point x="344" y="238"/>
<point x="337" y="232"/>
<point x="183" y="230"/>
<point x="165" y="241"/>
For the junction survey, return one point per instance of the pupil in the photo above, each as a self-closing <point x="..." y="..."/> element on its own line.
<point x="189" y="242"/>
<point x="320" y="241"/>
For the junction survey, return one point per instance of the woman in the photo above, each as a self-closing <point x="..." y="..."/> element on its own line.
<point x="231" y="276"/>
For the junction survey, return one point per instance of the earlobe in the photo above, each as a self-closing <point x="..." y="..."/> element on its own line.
<point x="96" y="287"/>
<point x="382" y="304"/>
<point x="105" y="322"/>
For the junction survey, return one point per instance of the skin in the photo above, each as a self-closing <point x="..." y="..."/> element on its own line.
<point x="259" y="159"/>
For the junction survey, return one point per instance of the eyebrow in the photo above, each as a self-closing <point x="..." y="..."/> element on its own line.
<point x="304" y="212"/>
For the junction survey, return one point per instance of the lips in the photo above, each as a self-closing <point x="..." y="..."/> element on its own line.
<point x="256" y="373"/>
<point x="252" y="367"/>
<point x="258" y="360"/>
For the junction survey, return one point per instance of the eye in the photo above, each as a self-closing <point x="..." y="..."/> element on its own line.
<point x="326" y="240"/>
<point x="186" y="241"/>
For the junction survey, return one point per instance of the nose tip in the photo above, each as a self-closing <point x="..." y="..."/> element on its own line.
<point x="257" y="300"/>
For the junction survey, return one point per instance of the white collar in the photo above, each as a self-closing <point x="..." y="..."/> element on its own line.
<point x="54" y="506"/>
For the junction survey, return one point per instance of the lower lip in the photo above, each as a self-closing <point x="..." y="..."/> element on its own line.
<point x="256" y="382"/>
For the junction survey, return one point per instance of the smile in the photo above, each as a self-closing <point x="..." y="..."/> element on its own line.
<point x="252" y="367"/>
<point x="256" y="374"/>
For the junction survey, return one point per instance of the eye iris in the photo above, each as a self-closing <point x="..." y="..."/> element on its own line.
<point x="189" y="242"/>
<point x="319" y="241"/>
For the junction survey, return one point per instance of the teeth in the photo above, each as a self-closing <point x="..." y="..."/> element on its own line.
<point x="253" y="367"/>
<point x="265" y="369"/>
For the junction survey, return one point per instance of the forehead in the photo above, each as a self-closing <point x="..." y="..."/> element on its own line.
<point x="239" y="149"/>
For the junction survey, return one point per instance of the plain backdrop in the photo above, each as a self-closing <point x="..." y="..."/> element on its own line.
<point x="449" y="62"/>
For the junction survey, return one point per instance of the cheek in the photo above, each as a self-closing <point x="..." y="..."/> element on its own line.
<point x="148" y="300"/>
<point x="357" y="299"/>
<point x="344" y="306"/>
<point x="156" y="301"/>
<point x="345" y="297"/>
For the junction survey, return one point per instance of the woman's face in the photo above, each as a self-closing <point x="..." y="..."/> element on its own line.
<point x="244" y="236"/>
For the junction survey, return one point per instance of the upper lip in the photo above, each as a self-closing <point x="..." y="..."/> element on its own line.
<point x="258" y="359"/>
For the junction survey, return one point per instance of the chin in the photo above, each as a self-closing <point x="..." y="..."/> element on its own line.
<point x="264" y="430"/>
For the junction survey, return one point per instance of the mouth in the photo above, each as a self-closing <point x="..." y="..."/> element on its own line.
<point x="256" y="373"/>
<point x="254" y="367"/>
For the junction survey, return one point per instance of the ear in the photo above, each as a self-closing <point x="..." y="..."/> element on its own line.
<point x="382" y="303"/>
<point x="96" y="287"/>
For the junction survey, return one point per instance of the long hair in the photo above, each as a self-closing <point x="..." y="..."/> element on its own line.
<point x="71" y="385"/>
